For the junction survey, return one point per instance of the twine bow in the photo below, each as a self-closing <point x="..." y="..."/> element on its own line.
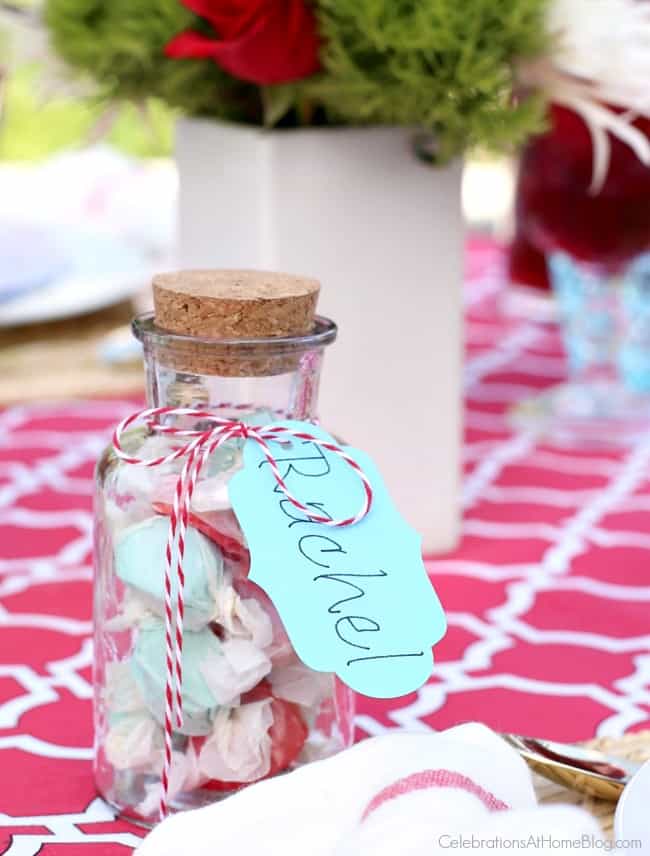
<point x="201" y="444"/>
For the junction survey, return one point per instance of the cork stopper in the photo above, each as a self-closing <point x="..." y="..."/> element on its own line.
<point x="232" y="304"/>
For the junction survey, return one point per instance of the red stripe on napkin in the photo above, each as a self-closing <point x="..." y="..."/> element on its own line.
<point x="427" y="779"/>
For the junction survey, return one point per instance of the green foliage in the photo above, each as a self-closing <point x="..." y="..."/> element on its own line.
<point x="121" y="44"/>
<point x="22" y="4"/>
<point x="145" y="131"/>
<point x="34" y="126"/>
<point x="444" y="65"/>
<point x="447" y="65"/>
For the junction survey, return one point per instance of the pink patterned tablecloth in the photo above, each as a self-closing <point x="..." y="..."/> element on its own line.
<point x="547" y="597"/>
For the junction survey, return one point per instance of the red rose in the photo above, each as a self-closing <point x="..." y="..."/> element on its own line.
<point x="262" y="41"/>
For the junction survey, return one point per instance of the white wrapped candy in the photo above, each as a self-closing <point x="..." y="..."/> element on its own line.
<point x="121" y="692"/>
<point x="140" y="562"/>
<point x="129" y="499"/>
<point x="280" y="650"/>
<point x="298" y="683"/>
<point x="134" y="740"/>
<point x="240" y="668"/>
<point x="201" y="651"/>
<point x="243" y="618"/>
<point x="239" y="748"/>
<point x="120" y="515"/>
<point x="210" y="494"/>
<point x="137" y="608"/>
<point x="183" y="776"/>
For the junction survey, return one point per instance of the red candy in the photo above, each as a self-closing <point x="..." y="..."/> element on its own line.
<point x="556" y="208"/>
<point x="262" y="691"/>
<point x="288" y="734"/>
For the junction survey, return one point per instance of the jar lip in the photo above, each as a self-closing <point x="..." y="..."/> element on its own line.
<point x="324" y="333"/>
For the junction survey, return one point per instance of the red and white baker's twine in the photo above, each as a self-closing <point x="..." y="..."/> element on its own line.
<point x="202" y="443"/>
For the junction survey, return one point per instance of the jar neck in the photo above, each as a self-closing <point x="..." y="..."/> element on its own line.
<point x="289" y="394"/>
<point x="234" y="377"/>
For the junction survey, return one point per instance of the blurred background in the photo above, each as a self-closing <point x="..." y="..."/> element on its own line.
<point x="87" y="201"/>
<point x="88" y="196"/>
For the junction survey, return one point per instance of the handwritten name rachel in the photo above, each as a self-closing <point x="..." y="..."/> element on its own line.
<point x="352" y="587"/>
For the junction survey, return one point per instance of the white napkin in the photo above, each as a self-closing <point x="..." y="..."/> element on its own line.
<point x="396" y="795"/>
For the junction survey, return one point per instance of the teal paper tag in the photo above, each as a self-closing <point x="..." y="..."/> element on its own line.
<point x="355" y="600"/>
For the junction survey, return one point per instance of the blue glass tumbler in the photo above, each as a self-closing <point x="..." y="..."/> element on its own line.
<point x="605" y="323"/>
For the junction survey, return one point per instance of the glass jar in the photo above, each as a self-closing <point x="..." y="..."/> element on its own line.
<point x="251" y="709"/>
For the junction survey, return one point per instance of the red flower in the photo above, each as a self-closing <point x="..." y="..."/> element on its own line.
<point x="262" y="41"/>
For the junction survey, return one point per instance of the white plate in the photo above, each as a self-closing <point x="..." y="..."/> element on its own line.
<point x="632" y="818"/>
<point x="100" y="270"/>
<point x="21" y="269"/>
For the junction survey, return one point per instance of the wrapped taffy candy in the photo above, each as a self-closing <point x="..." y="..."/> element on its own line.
<point x="199" y="690"/>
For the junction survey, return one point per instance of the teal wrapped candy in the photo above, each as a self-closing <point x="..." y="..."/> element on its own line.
<point x="148" y="669"/>
<point x="140" y="562"/>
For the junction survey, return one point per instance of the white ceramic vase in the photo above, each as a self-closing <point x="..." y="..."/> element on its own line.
<point x="383" y="232"/>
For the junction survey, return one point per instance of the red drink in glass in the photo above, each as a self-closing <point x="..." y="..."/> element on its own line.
<point x="590" y="236"/>
<point x="556" y="208"/>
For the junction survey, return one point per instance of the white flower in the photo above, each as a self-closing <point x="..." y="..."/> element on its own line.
<point x="606" y="42"/>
